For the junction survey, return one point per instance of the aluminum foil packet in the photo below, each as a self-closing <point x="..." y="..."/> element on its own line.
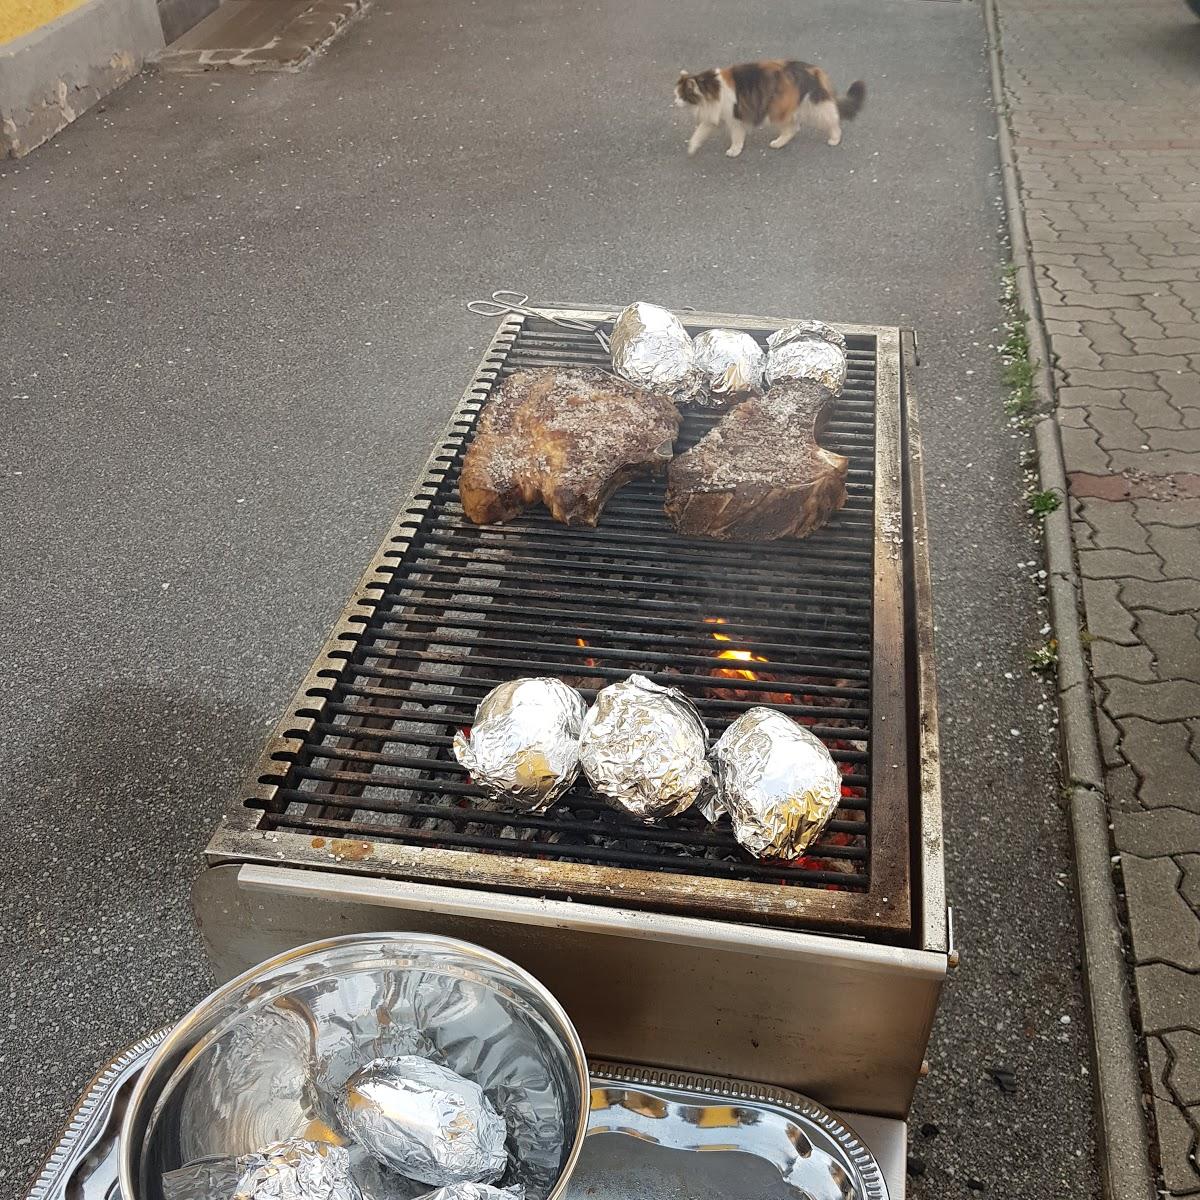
<point x="210" y="1178"/>
<point x="651" y="348"/>
<point x="424" y="1121"/>
<point x="807" y="350"/>
<point x="524" y="742"/>
<point x="476" y="1191"/>
<point x="777" y="781"/>
<point x="296" y="1170"/>
<point x="643" y="749"/>
<point x="731" y="364"/>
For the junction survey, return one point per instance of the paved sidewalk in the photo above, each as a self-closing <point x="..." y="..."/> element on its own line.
<point x="1104" y="99"/>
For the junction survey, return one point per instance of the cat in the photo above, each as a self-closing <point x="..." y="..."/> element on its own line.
<point x="788" y="94"/>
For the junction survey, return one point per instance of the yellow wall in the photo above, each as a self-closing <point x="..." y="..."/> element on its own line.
<point x="19" y="17"/>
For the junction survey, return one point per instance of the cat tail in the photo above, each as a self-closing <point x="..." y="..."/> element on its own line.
<point x="850" y="105"/>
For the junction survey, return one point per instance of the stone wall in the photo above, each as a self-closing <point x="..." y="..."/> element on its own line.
<point x="51" y="74"/>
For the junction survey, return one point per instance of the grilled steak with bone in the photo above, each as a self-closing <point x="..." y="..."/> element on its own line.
<point x="760" y="474"/>
<point x="568" y="437"/>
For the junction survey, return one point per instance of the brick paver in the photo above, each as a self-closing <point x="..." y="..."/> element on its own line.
<point x="1104" y="103"/>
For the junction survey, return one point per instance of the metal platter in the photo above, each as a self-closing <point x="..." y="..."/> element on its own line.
<point x="654" y="1133"/>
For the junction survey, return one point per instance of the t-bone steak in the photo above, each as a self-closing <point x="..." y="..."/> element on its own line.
<point x="568" y="437"/>
<point x="759" y="474"/>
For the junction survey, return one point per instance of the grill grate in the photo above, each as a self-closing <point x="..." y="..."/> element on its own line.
<point x="452" y="609"/>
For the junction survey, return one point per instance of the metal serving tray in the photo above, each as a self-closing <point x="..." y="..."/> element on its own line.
<point x="656" y="1134"/>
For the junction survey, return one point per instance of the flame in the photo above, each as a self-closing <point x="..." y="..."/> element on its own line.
<point x="591" y="662"/>
<point x="738" y="672"/>
<point x="736" y="655"/>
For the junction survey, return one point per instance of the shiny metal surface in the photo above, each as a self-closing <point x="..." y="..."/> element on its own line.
<point x="84" y="1165"/>
<point x="814" y="1151"/>
<point x="684" y="992"/>
<point x="264" y="1057"/>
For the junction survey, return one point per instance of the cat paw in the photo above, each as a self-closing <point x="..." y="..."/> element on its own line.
<point x="778" y="144"/>
<point x="733" y="151"/>
<point x="692" y="150"/>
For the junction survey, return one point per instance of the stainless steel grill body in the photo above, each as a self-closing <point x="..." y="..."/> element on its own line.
<point x="668" y="946"/>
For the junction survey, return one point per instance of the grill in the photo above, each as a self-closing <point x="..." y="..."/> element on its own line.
<point x="360" y="776"/>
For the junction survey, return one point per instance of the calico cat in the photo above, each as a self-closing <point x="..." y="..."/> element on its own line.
<point x="788" y="94"/>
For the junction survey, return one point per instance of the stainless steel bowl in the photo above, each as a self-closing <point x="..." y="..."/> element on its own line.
<point x="263" y="1058"/>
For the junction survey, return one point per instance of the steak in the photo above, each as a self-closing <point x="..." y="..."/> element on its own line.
<point x="568" y="437"/>
<point x="759" y="474"/>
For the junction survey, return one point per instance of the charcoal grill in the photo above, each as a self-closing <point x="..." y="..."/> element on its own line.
<point x="669" y="945"/>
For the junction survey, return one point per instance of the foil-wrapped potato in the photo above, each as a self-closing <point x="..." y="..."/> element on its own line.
<point x="650" y="347"/>
<point x="296" y="1169"/>
<point x="424" y="1121"/>
<point x="807" y="350"/>
<point x="476" y="1191"/>
<point x="777" y="781"/>
<point x="524" y="742"/>
<point x="731" y="363"/>
<point x="643" y="749"/>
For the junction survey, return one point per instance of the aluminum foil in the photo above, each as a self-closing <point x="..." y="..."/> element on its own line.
<point x="212" y="1178"/>
<point x="709" y="806"/>
<point x="524" y="743"/>
<point x="651" y="348"/>
<point x="777" y="781"/>
<point x="643" y="749"/>
<point x="730" y="362"/>
<point x="296" y="1170"/>
<point x="807" y="350"/>
<point x="476" y="1191"/>
<point x="424" y="1121"/>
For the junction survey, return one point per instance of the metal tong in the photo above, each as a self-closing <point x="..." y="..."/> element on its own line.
<point x="505" y="303"/>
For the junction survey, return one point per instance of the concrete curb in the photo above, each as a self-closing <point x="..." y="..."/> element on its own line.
<point x="1123" y="1136"/>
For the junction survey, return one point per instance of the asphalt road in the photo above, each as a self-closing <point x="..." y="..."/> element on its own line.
<point x="234" y="326"/>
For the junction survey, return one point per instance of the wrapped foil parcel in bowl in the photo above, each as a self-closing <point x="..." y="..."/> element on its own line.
<point x="643" y="749"/>
<point x="424" y="1121"/>
<point x="651" y="348"/>
<point x="731" y="364"/>
<point x="777" y="781"/>
<point x="524" y="742"/>
<point x="297" y="1169"/>
<point x="807" y="350"/>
